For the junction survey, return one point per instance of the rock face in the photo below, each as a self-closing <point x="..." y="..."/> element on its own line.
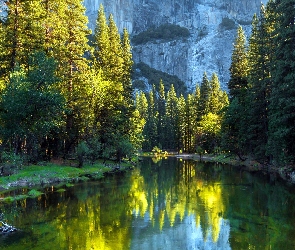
<point x="212" y="24"/>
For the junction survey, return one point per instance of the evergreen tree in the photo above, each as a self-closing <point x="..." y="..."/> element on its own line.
<point x="171" y="119"/>
<point x="101" y="41"/>
<point x="191" y="122"/>
<point x="231" y="138"/>
<point x="125" y="78"/>
<point x="182" y="125"/>
<point x="205" y="92"/>
<point x="239" y="66"/>
<point x="106" y="99"/>
<point x="161" y="110"/>
<point x="23" y="34"/>
<point x="73" y="66"/>
<point x="260" y="54"/>
<point x="150" y="130"/>
<point x="141" y="105"/>
<point x="33" y="37"/>
<point x="282" y="99"/>
<point x="235" y="123"/>
<point x="13" y="27"/>
<point x="2" y="54"/>
<point x="218" y="99"/>
<point x="127" y="67"/>
<point x="115" y="54"/>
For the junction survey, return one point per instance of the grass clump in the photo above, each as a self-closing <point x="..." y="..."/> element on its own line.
<point x="34" y="175"/>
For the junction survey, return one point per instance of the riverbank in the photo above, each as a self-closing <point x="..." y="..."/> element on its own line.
<point x="286" y="173"/>
<point x="36" y="177"/>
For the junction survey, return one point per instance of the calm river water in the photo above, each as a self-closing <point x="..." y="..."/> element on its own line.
<point x="169" y="204"/>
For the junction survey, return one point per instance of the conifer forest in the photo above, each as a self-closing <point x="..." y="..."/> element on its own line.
<point x="65" y="92"/>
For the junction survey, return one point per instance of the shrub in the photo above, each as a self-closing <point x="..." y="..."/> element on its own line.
<point x="165" y="32"/>
<point x="154" y="76"/>
<point x="82" y="152"/>
<point x="227" y="24"/>
<point x="157" y="151"/>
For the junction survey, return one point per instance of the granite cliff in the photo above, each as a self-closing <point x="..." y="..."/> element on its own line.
<point x="212" y="25"/>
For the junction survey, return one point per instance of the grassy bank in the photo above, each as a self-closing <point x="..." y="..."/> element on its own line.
<point x="35" y="177"/>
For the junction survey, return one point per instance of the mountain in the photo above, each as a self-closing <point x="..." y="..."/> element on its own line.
<point x="212" y="25"/>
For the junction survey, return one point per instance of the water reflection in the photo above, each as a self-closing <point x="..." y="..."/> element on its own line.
<point x="170" y="204"/>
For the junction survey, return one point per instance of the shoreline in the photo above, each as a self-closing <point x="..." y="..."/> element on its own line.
<point x="37" y="177"/>
<point x="287" y="174"/>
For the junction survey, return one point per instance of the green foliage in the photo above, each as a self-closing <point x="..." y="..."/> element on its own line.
<point x="11" y="158"/>
<point x="232" y="136"/>
<point x="115" y="120"/>
<point x="53" y="96"/>
<point x="282" y="98"/>
<point x="82" y="152"/>
<point x="205" y="90"/>
<point x="44" y="106"/>
<point x="165" y="32"/>
<point x="210" y="124"/>
<point x="155" y="76"/>
<point x="157" y="151"/>
<point x="200" y="151"/>
<point x="260" y="117"/>
<point x="171" y="119"/>
<point x="239" y="66"/>
<point x="33" y="193"/>
<point x="174" y="122"/>
<point x="124" y="149"/>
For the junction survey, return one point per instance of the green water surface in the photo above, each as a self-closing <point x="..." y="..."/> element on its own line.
<point x="166" y="204"/>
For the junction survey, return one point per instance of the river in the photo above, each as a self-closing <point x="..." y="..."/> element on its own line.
<point x="161" y="204"/>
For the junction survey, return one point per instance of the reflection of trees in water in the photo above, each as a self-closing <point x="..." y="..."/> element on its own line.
<point x="161" y="196"/>
<point x="184" y="235"/>
<point x="182" y="192"/>
<point x="159" y="205"/>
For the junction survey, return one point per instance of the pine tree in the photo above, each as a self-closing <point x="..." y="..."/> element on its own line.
<point x="161" y="110"/>
<point x="141" y="104"/>
<point x="239" y="66"/>
<point x="282" y="99"/>
<point x="182" y="124"/>
<point x="191" y="130"/>
<point x="2" y="55"/>
<point x="235" y="123"/>
<point x="23" y="33"/>
<point x="13" y="28"/>
<point x="150" y="130"/>
<point x="127" y="66"/>
<point x="115" y="53"/>
<point x="218" y="98"/>
<point x="34" y="38"/>
<point x="171" y="119"/>
<point x="112" y="56"/>
<point x="205" y="92"/>
<point x="101" y="42"/>
<point x="259" y="77"/>
<point x="125" y="78"/>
